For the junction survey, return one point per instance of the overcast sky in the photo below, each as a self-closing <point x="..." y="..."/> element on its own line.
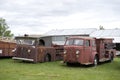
<point x="40" y="16"/>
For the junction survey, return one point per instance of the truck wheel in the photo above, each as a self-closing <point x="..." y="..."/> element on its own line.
<point x="47" y="58"/>
<point x="95" y="61"/>
<point x="111" y="57"/>
<point x="69" y="64"/>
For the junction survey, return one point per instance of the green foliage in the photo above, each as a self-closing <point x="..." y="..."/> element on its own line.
<point x="4" y="32"/>
<point x="101" y="27"/>
<point x="18" y="70"/>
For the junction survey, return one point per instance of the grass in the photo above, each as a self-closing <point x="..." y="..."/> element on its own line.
<point x="18" y="70"/>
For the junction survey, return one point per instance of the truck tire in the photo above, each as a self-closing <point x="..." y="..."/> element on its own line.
<point x="47" y="58"/>
<point x="111" y="57"/>
<point x="95" y="63"/>
<point x="69" y="64"/>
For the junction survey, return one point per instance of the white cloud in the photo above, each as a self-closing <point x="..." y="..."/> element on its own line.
<point x="83" y="20"/>
<point x="39" y="16"/>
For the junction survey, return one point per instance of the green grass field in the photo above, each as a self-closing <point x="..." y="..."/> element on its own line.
<point x="18" y="70"/>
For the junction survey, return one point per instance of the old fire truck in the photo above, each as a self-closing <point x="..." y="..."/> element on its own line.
<point x="37" y="49"/>
<point x="87" y="50"/>
<point x="7" y="47"/>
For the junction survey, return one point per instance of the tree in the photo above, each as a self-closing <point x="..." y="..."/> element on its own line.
<point x="4" y="32"/>
<point x="101" y="27"/>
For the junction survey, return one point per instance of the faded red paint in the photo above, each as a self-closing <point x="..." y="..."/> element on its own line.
<point x="84" y="54"/>
<point x="36" y="52"/>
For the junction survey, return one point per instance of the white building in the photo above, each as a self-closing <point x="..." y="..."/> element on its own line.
<point x="59" y="36"/>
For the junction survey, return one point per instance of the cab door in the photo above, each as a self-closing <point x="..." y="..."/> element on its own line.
<point x="87" y="51"/>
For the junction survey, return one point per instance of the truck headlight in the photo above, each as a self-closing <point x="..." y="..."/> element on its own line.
<point x="77" y="52"/>
<point x="29" y="50"/>
<point x="33" y="46"/>
<point x="65" y="51"/>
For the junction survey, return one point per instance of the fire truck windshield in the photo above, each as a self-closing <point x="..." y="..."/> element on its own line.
<point x="77" y="42"/>
<point x="26" y="41"/>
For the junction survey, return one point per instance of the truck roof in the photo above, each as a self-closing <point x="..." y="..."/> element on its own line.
<point x="105" y="38"/>
<point x="81" y="37"/>
<point x="84" y="37"/>
<point x="30" y="37"/>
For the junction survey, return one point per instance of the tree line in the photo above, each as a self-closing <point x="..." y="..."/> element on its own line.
<point x="4" y="29"/>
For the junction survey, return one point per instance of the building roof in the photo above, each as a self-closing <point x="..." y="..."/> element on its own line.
<point x="86" y="31"/>
<point x="107" y="33"/>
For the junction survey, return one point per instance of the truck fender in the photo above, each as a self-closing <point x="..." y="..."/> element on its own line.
<point x="47" y="57"/>
<point x="93" y="56"/>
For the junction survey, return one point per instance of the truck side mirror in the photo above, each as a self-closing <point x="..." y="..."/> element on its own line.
<point x="105" y="46"/>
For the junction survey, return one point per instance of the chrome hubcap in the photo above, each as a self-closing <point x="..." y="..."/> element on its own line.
<point x="95" y="62"/>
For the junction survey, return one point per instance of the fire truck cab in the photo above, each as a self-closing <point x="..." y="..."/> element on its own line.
<point x="87" y="50"/>
<point x="37" y="49"/>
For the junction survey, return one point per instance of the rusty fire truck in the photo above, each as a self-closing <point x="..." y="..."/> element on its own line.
<point x="37" y="49"/>
<point x="87" y="50"/>
<point x="7" y="47"/>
